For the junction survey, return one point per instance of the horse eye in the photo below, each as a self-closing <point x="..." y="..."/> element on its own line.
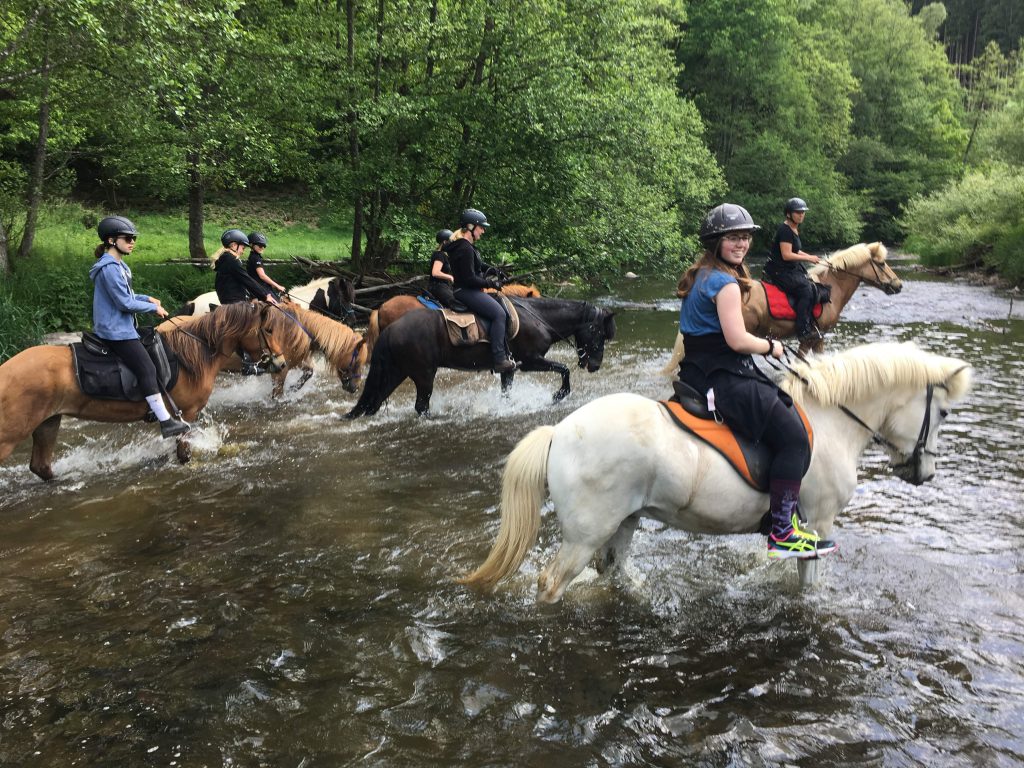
<point x="943" y="413"/>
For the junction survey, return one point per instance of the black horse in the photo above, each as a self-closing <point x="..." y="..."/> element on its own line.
<point x="416" y="345"/>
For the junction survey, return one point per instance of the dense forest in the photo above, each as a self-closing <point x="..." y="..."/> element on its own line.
<point x="593" y="133"/>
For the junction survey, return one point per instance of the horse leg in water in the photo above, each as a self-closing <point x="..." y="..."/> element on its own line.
<point x="542" y="364"/>
<point x="44" y="438"/>
<point x="506" y="381"/>
<point x="424" y="381"/>
<point x="616" y="550"/>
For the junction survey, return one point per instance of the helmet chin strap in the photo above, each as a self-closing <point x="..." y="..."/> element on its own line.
<point x="118" y="248"/>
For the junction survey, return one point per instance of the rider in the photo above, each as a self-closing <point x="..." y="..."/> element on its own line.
<point x="469" y="280"/>
<point x="254" y="266"/>
<point x="114" y="305"/>
<point x="440" y="284"/>
<point x="785" y="268"/>
<point x="718" y="362"/>
<point x="233" y="283"/>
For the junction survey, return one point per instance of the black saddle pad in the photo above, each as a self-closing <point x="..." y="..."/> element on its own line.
<point x="103" y="376"/>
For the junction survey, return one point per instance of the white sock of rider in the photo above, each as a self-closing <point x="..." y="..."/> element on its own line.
<point x="156" y="405"/>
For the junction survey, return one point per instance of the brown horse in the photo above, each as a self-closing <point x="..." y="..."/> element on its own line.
<point x="396" y="306"/>
<point x="38" y="385"/>
<point x="843" y="271"/>
<point x="305" y="333"/>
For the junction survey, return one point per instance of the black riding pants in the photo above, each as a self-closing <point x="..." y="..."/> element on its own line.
<point x="442" y="291"/>
<point x="786" y="437"/>
<point x="801" y="289"/>
<point x="487" y="307"/>
<point x="134" y="355"/>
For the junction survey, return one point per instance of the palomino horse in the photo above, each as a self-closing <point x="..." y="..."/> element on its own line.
<point x="331" y="296"/>
<point x="843" y="271"/>
<point x="396" y="306"/>
<point x="38" y="385"/>
<point x="620" y="458"/>
<point x="304" y="334"/>
<point x="416" y="345"/>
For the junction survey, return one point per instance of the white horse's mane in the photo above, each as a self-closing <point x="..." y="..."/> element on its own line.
<point x="851" y="258"/>
<point x="859" y="372"/>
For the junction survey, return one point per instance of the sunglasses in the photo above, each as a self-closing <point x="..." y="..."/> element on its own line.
<point x="128" y="238"/>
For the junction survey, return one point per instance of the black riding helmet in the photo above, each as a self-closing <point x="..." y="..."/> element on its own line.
<point x="795" y="205"/>
<point x="443" y="235"/>
<point x="726" y="218"/>
<point x="471" y="217"/>
<point x="234" y="236"/>
<point x="257" y="238"/>
<point x="112" y="226"/>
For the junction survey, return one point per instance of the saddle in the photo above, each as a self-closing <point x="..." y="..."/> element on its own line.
<point x="780" y="306"/>
<point x="689" y="410"/>
<point x="466" y="329"/>
<point x="102" y="375"/>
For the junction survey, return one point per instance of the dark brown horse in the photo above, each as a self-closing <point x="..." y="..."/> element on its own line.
<point x="38" y="385"/>
<point x="416" y="345"/>
<point x="396" y="306"/>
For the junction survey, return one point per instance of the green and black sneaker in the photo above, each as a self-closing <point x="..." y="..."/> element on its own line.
<point x="799" y="543"/>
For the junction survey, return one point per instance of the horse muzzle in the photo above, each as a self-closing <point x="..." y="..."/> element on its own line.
<point x="273" y="363"/>
<point x="891" y="289"/>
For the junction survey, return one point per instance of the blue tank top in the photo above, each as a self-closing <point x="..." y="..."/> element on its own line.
<point x="698" y="315"/>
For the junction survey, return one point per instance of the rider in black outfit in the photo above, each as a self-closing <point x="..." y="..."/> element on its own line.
<point x="441" y="280"/>
<point x="785" y="267"/>
<point x="254" y="266"/>
<point x="468" y="271"/>
<point x="233" y="283"/>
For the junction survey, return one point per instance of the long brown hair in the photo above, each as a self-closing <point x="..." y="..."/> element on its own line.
<point x="710" y="260"/>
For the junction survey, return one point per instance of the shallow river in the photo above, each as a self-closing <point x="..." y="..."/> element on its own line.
<point x="287" y="599"/>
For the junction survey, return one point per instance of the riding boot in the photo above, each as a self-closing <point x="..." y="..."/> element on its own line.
<point x="503" y="365"/>
<point x="173" y="427"/>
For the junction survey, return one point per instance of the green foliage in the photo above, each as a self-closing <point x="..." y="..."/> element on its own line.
<point x="21" y="325"/>
<point x="980" y="217"/>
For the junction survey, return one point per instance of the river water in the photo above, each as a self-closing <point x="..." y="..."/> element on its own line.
<point x="287" y="599"/>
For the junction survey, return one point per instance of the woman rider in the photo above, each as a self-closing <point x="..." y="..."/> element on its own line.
<point x="254" y="266"/>
<point x="233" y="283"/>
<point x="785" y="267"/>
<point x="718" y="362"/>
<point x="114" y="305"/>
<point x="440" y="283"/>
<point x="469" y="282"/>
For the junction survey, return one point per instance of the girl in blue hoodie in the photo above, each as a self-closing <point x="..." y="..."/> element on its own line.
<point x="114" y="305"/>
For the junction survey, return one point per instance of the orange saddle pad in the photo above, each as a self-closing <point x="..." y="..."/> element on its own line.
<point x="751" y="460"/>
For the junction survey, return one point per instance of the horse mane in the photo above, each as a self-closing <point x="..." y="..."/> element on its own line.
<point x="522" y="290"/>
<point x="851" y="258"/>
<point x="336" y="340"/>
<point x="195" y="355"/>
<point x="860" y="372"/>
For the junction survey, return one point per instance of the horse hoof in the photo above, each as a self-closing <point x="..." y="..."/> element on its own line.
<point x="559" y="395"/>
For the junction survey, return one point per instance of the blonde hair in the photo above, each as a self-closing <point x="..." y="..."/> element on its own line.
<point x="217" y="254"/>
<point x="710" y="260"/>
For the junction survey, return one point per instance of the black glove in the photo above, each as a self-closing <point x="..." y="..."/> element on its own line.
<point x="495" y="284"/>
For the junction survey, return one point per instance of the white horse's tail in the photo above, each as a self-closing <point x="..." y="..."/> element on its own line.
<point x="677" y="357"/>
<point x="522" y="493"/>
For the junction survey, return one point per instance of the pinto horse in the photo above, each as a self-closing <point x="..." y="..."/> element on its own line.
<point x="396" y="306"/>
<point x="844" y="272"/>
<point x="620" y="458"/>
<point x="331" y="296"/>
<point x="416" y="345"/>
<point x="304" y="334"/>
<point x="38" y="385"/>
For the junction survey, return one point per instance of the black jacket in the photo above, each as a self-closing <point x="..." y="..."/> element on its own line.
<point x="233" y="282"/>
<point x="466" y="266"/>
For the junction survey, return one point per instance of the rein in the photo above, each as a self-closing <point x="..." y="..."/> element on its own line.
<point x="559" y="337"/>
<point x="264" y="344"/>
<point x="877" y="282"/>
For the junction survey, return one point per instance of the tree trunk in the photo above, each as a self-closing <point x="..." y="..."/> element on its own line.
<point x="196" y="248"/>
<point x="35" y="184"/>
<point x="353" y="142"/>
<point x="5" y="261"/>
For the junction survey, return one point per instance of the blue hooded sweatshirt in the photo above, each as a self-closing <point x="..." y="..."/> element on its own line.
<point x="113" y="303"/>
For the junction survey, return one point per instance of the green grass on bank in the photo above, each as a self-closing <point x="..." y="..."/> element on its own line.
<point x="50" y="290"/>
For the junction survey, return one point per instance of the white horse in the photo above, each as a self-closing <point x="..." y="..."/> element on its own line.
<point x="620" y="457"/>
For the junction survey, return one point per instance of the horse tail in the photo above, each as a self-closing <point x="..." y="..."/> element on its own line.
<point x="677" y="357"/>
<point x="383" y="379"/>
<point x="522" y="493"/>
<point x="373" y="330"/>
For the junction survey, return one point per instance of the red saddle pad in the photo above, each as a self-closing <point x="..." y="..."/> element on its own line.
<point x="779" y="306"/>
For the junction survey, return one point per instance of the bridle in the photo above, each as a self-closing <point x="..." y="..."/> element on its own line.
<point x="920" y="449"/>
<point x="266" y="354"/>
<point x="876" y="269"/>
<point x="593" y="323"/>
